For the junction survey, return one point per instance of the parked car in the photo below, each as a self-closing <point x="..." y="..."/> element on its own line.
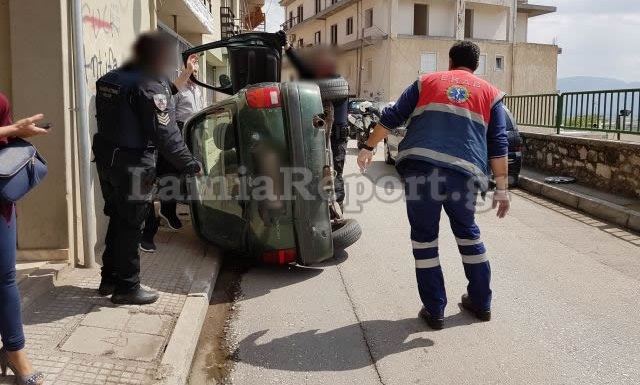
<point x="248" y="139"/>
<point x="392" y="142"/>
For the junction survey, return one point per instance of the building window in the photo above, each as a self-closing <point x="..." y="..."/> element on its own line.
<point x="334" y="34"/>
<point x="300" y="14"/>
<point x="428" y="62"/>
<point x="318" y="6"/>
<point x="368" y="18"/>
<point x="290" y="19"/>
<point x="349" y="26"/>
<point x="317" y="38"/>
<point x="300" y="43"/>
<point x="369" y="70"/>
<point x="499" y="63"/>
<point x="482" y="65"/>
<point x="333" y="2"/>
<point x="420" y="19"/>
<point x="468" y="23"/>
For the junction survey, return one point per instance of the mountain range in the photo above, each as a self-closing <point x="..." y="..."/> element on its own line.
<point x="589" y="83"/>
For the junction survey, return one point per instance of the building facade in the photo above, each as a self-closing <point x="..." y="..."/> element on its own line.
<point x="37" y="74"/>
<point x="384" y="45"/>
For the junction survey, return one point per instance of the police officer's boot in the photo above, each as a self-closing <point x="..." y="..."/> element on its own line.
<point x="481" y="314"/>
<point x="137" y="296"/>
<point x="434" y="322"/>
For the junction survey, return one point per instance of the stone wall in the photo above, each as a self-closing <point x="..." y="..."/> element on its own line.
<point x="604" y="164"/>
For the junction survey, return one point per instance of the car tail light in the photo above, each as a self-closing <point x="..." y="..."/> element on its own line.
<point x="279" y="257"/>
<point x="263" y="97"/>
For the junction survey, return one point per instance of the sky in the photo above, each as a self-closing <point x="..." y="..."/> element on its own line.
<point x="598" y="37"/>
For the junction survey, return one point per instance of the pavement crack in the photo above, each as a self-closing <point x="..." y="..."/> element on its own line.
<point x="374" y="363"/>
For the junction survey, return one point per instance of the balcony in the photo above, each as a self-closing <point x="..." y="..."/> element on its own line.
<point x="187" y="16"/>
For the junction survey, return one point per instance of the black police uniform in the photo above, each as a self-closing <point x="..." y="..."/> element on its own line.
<point x="136" y="119"/>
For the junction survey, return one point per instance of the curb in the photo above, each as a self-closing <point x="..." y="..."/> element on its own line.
<point x="178" y="355"/>
<point x="596" y="207"/>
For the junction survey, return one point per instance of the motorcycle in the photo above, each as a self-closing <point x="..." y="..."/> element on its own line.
<point x="364" y="120"/>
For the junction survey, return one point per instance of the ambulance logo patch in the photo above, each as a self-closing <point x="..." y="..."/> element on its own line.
<point x="458" y="94"/>
<point x="160" y="101"/>
<point x="163" y="118"/>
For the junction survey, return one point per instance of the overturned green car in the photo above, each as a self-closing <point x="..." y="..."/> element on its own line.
<point x="267" y="185"/>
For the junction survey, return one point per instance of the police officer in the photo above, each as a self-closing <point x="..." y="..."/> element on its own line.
<point x="455" y="131"/>
<point x="136" y="119"/>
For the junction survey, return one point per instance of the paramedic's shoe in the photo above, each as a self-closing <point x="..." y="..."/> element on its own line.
<point x="434" y="322"/>
<point x="138" y="296"/>
<point x="481" y="314"/>
<point x="148" y="246"/>
<point x="171" y="219"/>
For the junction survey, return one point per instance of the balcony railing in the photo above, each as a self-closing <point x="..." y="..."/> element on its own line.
<point x="616" y="111"/>
<point x="289" y="23"/>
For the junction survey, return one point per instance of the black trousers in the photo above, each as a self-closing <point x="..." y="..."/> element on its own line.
<point x="127" y="199"/>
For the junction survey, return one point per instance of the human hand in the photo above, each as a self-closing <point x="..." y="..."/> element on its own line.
<point x="26" y="128"/>
<point x="502" y="201"/>
<point x="364" y="159"/>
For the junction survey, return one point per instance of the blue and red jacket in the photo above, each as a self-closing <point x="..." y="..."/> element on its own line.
<point x="454" y="119"/>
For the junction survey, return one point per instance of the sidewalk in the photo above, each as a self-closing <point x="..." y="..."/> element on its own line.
<point x="77" y="337"/>
<point x="622" y="211"/>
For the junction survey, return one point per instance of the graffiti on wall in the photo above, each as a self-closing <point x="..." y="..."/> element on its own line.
<point x="105" y="46"/>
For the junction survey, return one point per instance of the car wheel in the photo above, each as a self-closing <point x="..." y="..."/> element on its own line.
<point x="345" y="234"/>
<point x="387" y="155"/>
<point x="333" y="89"/>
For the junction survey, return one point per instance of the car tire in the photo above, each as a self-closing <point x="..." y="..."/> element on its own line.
<point x="346" y="234"/>
<point x="333" y="89"/>
<point x="387" y="155"/>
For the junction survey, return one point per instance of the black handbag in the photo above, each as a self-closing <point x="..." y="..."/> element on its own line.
<point x="21" y="169"/>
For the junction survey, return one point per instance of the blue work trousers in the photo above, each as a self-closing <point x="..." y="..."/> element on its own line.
<point x="429" y="189"/>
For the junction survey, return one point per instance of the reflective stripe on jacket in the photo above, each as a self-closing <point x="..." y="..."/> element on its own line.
<point x="450" y="120"/>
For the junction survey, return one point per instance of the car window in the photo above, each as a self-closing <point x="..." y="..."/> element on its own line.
<point x="217" y="136"/>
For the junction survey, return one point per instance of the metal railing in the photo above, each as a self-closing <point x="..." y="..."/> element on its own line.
<point x="289" y="23"/>
<point x="615" y="111"/>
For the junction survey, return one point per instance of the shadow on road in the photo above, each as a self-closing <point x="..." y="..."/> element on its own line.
<point x="334" y="350"/>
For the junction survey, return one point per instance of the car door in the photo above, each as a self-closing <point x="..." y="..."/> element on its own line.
<point x="217" y="208"/>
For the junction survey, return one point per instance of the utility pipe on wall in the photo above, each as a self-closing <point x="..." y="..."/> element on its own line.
<point x="84" y="141"/>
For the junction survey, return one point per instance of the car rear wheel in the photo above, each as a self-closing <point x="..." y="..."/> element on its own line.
<point x="333" y="89"/>
<point x="345" y="234"/>
<point x="387" y="155"/>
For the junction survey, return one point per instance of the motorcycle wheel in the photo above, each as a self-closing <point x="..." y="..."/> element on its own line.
<point x="345" y="234"/>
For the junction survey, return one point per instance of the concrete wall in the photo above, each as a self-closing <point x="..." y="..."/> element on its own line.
<point x="406" y="53"/>
<point x="5" y="48"/>
<point x="522" y="26"/>
<point x="537" y="69"/>
<point x="608" y="165"/>
<point x="110" y="27"/>
<point x="41" y="83"/>
<point x="442" y="15"/>
<point x="489" y="22"/>
<point x="340" y="19"/>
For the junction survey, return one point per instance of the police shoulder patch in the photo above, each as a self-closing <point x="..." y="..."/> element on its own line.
<point x="163" y="118"/>
<point x="160" y="100"/>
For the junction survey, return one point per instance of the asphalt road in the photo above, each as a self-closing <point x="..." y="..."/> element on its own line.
<point x="566" y="305"/>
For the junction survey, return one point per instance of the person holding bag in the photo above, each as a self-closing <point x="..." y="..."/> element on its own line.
<point x="12" y="354"/>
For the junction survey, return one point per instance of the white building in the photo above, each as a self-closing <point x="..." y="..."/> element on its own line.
<point x="385" y="44"/>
